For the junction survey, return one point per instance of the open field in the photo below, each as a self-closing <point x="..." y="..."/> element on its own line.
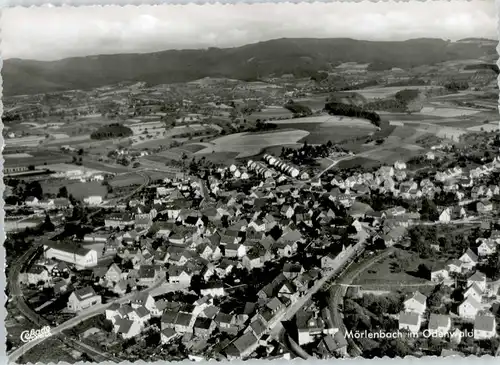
<point x="68" y="140"/>
<point x="78" y="189"/>
<point x="447" y="112"/>
<point x="383" y="274"/>
<point x="131" y="178"/>
<point x="271" y="112"/>
<point x="250" y="144"/>
<point x="96" y="165"/>
<point x="38" y="158"/>
<point x="326" y="128"/>
<point x="385" y="92"/>
<point x="490" y="127"/>
<point x="316" y="102"/>
<point x="365" y="162"/>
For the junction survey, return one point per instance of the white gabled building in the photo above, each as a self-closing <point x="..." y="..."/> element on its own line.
<point x="73" y="254"/>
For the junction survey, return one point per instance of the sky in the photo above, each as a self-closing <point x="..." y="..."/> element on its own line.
<point x="50" y="33"/>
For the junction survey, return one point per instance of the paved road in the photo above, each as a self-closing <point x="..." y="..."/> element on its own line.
<point x="275" y="330"/>
<point x="82" y="316"/>
<point x="17" y="295"/>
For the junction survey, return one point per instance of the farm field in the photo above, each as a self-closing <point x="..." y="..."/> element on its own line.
<point x="316" y="102"/>
<point x="490" y="127"/>
<point x="271" y="112"/>
<point x="128" y="179"/>
<point x="37" y="158"/>
<point x="356" y="161"/>
<point x="385" y="92"/>
<point x="447" y="112"/>
<point x="78" y="189"/>
<point x="326" y="128"/>
<point x="250" y="144"/>
<point x="68" y="140"/>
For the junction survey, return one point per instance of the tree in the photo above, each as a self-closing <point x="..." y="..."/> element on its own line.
<point x="47" y="225"/>
<point x="34" y="188"/>
<point x="424" y="272"/>
<point x="429" y="211"/>
<point x="63" y="192"/>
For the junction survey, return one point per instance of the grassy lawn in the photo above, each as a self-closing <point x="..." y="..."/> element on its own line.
<point x="383" y="275"/>
<point x="46" y="352"/>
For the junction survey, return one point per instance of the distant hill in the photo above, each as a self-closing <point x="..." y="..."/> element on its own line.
<point x="301" y="57"/>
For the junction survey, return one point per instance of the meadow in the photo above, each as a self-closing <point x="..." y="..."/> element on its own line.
<point x="326" y="128"/>
<point x="250" y="144"/>
<point x="385" y="92"/>
<point x="78" y="189"/>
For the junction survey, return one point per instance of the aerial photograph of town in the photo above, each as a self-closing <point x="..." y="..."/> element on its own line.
<point x="215" y="183"/>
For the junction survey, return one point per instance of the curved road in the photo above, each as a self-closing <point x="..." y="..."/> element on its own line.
<point x="82" y="316"/>
<point x="17" y="295"/>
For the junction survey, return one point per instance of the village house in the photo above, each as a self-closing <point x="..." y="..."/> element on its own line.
<point x="118" y="220"/>
<point x="140" y="315"/>
<point x="410" y="321"/>
<point x="82" y="299"/>
<point x="439" y="273"/>
<point x="474" y="291"/>
<point x="114" y="274"/>
<point x="468" y="259"/>
<point x="203" y="327"/>
<point x="439" y="323"/>
<point x="167" y="335"/>
<point x="416" y="304"/>
<point x="309" y="327"/>
<point x="484" y="206"/>
<point x="179" y="275"/>
<point x="479" y="279"/>
<point x="484" y="327"/>
<point x="93" y="200"/>
<point x="486" y="248"/>
<point x="35" y="274"/>
<point x="469" y="308"/>
<point x="127" y="328"/>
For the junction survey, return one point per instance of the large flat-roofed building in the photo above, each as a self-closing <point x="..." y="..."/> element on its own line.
<point x="71" y="253"/>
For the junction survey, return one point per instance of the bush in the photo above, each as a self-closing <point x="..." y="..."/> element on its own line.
<point x="114" y="130"/>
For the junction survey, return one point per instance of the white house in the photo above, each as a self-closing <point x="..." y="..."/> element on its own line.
<point x="400" y="165"/>
<point x="93" y="200"/>
<point x="484" y="327"/>
<point x="439" y="323"/>
<point x="410" y="321"/>
<point x="439" y="275"/>
<point x="479" y="279"/>
<point x="416" y="304"/>
<point x="474" y="291"/>
<point x="82" y="299"/>
<point x="127" y="328"/>
<point x="486" y="248"/>
<point x="445" y="216"/>
<point x="469" y="308"/>
<point x="468" y="259"/>
<point x="177" y="275"/>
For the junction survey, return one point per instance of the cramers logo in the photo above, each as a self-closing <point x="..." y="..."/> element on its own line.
<point x="27" y="336"/>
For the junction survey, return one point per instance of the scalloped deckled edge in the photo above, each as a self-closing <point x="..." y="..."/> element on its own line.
<point x="3" y="278"/>
<point x="29" y="3"/>
<point x="486" y="359"/>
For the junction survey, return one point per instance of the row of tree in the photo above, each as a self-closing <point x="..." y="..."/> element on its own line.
<point x="353" y="111"/>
